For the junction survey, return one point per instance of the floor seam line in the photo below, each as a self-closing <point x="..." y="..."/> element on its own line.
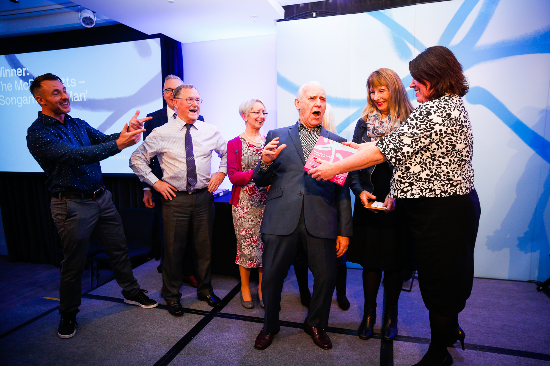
<point x="188" y="337"/>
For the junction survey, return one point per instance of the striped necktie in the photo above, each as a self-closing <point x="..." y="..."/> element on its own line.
<point x="190" y="157"/>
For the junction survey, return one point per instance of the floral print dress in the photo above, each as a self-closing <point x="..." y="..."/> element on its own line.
<point x="248" y="213"/>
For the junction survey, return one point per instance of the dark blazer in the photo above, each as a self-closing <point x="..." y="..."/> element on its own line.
<point x="327" y="206"/>
<point x="160" y="117"/>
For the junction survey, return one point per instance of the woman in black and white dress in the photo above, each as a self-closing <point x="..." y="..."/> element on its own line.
<point x="434" y="181"/>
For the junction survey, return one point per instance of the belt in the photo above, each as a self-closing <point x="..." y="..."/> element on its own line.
<point x="81" y="195"/>
<point x="192" y="192"/>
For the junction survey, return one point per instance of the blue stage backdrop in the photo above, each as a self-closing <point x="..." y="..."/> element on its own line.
<point x="504" y="48"/>
<point x="106" y="84"/>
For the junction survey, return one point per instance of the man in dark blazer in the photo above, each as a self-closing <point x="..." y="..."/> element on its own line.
<point x="300" y="209"/>
<point x="153" y="199"/>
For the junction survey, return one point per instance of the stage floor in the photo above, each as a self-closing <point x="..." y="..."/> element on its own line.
<point x="506" y="323"/>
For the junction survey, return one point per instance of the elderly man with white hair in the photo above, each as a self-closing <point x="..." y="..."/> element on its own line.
<point x="301" y="210"/>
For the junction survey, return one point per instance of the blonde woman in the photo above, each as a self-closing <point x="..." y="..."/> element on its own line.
<point x="377" y="244"/>
<point x="248" y="200"/>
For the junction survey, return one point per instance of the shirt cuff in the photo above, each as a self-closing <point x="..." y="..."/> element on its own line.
<point x="264" y="167"/>
<point x="150" y="179"/>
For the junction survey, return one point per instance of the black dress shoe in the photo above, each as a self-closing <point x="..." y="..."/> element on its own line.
<point x="175" y="308"/>
<point x="211" y="300"/>
<point x="263" y="340"/>
<point x="319" y="336"/>
<point x="365" y="329"/>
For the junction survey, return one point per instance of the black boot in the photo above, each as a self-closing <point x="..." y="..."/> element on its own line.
<point x="369" y="319"/>
<point x="457" y="334"/>
<point x="389" y="324"/>
<point x="341" y="298"/>
<point x="433" y="358"/>
<point x="441" y="327"/>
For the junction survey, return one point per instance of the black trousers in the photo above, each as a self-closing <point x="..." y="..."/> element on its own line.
<point x="76" y="221"/>
<point x="444" y="232"/>
<point x="183" y="212"/>
<point x="279" y="254"/>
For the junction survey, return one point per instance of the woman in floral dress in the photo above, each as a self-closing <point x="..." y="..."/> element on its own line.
<point x="243" y="153"/>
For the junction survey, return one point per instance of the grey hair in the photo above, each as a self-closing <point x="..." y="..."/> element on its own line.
<point x="175" y="77"/>
<point x="300" y="93"/>
<point x="177" y="91"/>
<point x="172" y="77"/>
<point x="246" y="106"/>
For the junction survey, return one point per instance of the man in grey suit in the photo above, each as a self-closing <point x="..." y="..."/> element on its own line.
<point x="301" y="210"/>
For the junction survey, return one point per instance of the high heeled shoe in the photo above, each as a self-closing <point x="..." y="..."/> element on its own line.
<point x="247" y="304"/>
<point x="389" y="326"/>
<point x="369" y="319"/>
<point x="457" y="334"/>
<point x="429" y="359"/>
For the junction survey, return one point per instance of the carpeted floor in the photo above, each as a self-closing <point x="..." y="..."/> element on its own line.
<point x="506" y="323"/>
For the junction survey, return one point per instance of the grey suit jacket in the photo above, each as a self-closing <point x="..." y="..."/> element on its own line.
<point x="327" y="206"/>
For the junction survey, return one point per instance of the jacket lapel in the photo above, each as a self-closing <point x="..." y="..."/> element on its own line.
<point x="295" y="137"/>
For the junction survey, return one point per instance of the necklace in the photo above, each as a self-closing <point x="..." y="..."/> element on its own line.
<point x="254" y="141"/>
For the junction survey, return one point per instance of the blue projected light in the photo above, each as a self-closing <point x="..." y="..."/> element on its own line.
<point x="106" y="85"/>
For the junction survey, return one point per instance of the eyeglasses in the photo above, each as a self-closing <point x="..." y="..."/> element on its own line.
<point x="168" y="90"/>
<point x="191" y="100"/>
<point x="258" y="113"/>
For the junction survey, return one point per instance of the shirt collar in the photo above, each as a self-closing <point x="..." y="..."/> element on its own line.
<point x="314" y="129"/>
<point x="170" y="112"/>
<point x="51" y="120"/>
<point x="182" y="123"/>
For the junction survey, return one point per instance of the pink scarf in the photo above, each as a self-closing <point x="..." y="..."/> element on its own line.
<point x="378" y="128"/>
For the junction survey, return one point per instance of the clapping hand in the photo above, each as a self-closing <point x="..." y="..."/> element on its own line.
<point x="271" y="151"/>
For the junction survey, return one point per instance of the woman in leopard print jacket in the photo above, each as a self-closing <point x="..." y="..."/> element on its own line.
<point x="434" y="181"/>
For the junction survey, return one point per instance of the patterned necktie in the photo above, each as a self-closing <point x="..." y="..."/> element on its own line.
<point x="190" y="157"/>
<point x="175" y="115"/>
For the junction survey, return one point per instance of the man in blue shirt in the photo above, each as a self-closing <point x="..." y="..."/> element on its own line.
<point x="69" y="151"/>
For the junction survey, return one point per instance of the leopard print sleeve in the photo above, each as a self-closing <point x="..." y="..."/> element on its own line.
<point x="432" y="151"/>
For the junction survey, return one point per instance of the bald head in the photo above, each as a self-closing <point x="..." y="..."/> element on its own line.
<point x="311" y="102"/>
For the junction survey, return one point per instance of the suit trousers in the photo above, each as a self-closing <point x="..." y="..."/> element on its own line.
<point x="181" y="214"/>
<point x="76" y="220"/>
<point x="279" y="254"/>
<point x="158" y="248"/>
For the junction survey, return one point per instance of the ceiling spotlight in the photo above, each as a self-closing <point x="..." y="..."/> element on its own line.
<point x="87" y="18"/>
